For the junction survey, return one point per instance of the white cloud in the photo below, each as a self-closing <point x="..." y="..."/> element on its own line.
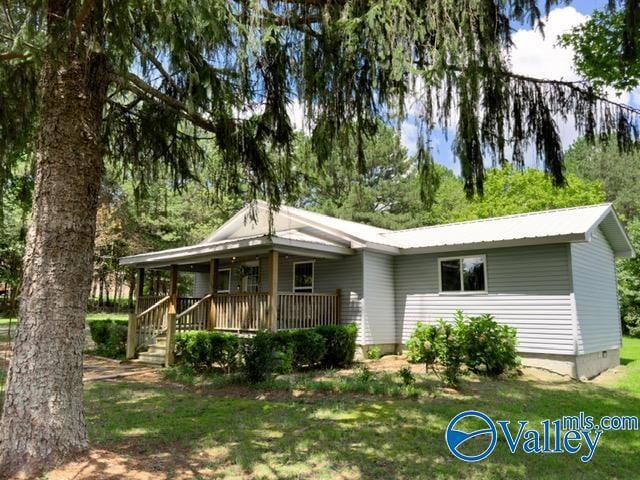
<point x="542" y="57"/>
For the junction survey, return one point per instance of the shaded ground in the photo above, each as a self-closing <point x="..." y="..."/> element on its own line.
<point x="143" y="427"/>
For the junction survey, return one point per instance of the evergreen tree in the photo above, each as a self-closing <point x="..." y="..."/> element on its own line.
<point x="143" y="83"/>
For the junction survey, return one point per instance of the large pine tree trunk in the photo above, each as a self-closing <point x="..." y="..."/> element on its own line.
<point x="42" y="421"/>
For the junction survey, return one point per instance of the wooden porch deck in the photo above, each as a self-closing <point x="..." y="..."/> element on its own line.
<point x="232" y="312"/>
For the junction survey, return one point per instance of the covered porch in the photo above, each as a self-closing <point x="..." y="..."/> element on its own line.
<point x="244" y="286"/>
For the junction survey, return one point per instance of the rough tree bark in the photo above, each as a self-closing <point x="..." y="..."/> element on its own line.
<point x="42" y="421"/>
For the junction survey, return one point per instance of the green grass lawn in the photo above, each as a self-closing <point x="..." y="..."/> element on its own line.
<point x="4" y="321"/>
<point x="224" y="430"/>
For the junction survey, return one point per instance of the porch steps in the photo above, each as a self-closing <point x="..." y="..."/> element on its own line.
<point x="155" y="355"/>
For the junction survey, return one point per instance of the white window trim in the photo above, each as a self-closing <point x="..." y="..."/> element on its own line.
<point x="228" y="270"/>
<point x="463" y="292"/>
<point x="313" y="276"/>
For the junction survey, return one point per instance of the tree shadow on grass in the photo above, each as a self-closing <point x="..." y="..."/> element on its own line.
<point x="186" y="434"/>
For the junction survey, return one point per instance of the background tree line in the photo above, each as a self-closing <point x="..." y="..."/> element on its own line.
<point x="135" y="217"/>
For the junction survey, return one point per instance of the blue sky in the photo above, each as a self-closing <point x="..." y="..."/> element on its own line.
<point x="536" y="56"/>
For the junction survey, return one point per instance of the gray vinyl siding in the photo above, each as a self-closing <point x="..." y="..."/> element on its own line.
<point x="594" y="284"/>
<point x="378" y="322"/>
<point x="329" y="275"/>
<point x="528" y="288"/>
<point x="200" y="284"/>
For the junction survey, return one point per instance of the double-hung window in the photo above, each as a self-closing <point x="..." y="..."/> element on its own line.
<point x="463" y="274"/>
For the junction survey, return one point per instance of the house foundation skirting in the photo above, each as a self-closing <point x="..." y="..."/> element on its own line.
<point x="385" y="349"/>
<point x="583" y="366"/>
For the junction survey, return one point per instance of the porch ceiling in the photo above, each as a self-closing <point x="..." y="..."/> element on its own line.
<point x="256" y="245"/>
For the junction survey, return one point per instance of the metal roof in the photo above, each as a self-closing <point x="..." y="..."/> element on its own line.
<point x="321" y="234"/>
<point x="561" y="225"/>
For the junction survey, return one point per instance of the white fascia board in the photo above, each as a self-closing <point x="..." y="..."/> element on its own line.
<point x="190" y="252"/>
<point x="333" y="232"/>
<point x="231" y="224"/>
<point x="283" y="243"/>
<point x="574" y="237"/>
<point x="236" y="247"/>
<point x="630" y="252"/>
<point x="379" y="247"/>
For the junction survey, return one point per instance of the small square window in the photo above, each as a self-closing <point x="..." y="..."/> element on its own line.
<point x="303" y="277"/>
<point x="224" y="280"/>
<point x="463" y="274"/>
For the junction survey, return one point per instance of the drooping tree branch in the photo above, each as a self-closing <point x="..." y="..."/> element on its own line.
<point x="137" y="85"/>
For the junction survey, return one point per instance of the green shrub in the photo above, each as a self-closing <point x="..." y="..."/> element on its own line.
<point x="194" y="349"/>
<point x="421" y="345"/>
<point x="407" y="376"/>
<point x="437" y="344"/>
<point x="374" y="352"/>
<point x="225" y="349"/>
<point x="110" y="337"/>
<point x="340" y="341"/>
<point x="203" y="349"/>
<point x="260" y="356"/>
<point x="99" y="330"/>
<point x="489" y="348"/>
<point x="308" y="348"/>
<point x="450" y="351"/>
<point x="364" y="374"/>
<point x="486" y="347"/>
<point x="281" y="352"/>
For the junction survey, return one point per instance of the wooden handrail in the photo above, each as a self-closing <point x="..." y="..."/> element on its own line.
<point x="240" y="294"/>
<point x="194" y="306"/>
<point x="307" y="294"/>
<point x="155" y="305"/>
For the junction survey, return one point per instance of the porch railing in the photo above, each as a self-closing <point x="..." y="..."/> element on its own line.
<point x="307" y="310"/>
<point x="144" y="303"/>
<point x="152" y="321"/>
<point x="194" y="317"/>
<point x="184" y="303"/>
<point x="241" y="311"/>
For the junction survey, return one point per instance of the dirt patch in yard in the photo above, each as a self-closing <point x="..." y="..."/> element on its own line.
<point x="100" y="464"/>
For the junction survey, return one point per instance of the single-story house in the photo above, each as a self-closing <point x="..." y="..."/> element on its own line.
<point x="549" y="274"/>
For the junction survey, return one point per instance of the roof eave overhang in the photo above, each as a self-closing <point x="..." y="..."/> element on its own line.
<point x="202" y="252"/>
<point x="629" y="251"/>
<point x="520" y="242"/>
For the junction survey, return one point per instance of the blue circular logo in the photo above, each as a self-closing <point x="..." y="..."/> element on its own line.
<point x="456" y="438"/>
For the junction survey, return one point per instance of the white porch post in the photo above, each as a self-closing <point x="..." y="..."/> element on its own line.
<point x="273" y="290"/>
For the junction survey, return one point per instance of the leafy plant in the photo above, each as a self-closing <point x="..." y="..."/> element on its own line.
<point x="110" y="337"/>
<point x="364" y="374"/>
<point x="308" y="348"/>
<point x="407" y="376"/>
<point x="450" y="351"/>
<point x="486" y="347"/>
<point x="259" y="357"/>
<point x="374" y="352"/>
<point x="201" y="350"/>
<point x="340" y="341"/>
<point x="225" y="349"/>
<point x="489" y="348"/>
<point x="421" y="345"/>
